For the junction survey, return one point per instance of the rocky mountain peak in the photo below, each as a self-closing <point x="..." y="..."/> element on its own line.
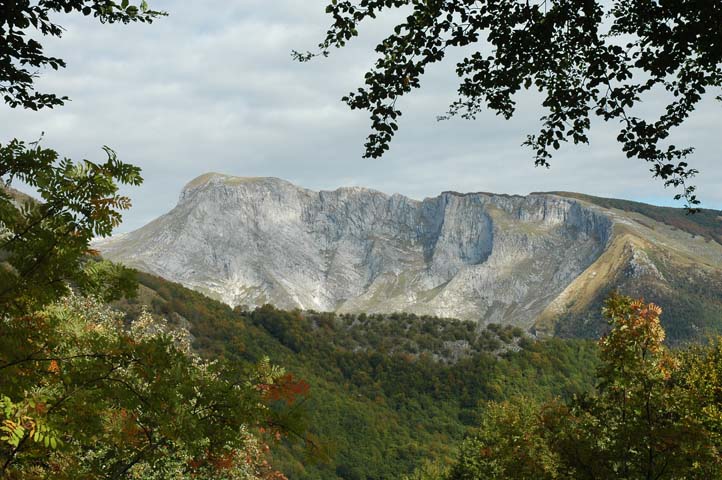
<point x="219" y="181"/>
<point x="481" y="256"/>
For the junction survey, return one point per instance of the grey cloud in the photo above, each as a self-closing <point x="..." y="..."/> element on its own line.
<point x="213" y="88"/>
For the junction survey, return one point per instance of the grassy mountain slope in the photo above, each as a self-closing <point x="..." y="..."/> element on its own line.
<point x="660" y="253"/>
<point x="387" y="391"/>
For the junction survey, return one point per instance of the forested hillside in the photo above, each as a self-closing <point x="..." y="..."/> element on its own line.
<point x="386" y="392"/>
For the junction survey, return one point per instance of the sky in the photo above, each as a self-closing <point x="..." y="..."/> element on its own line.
<point x="212" y="87"/>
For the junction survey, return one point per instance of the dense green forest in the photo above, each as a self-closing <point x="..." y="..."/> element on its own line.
<point x="425" y="398"/>
<point x="386" y="391"/>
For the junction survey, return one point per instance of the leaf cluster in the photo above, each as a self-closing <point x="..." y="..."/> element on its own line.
<point x="22" y="55"/>
<point x="87" y="396"/>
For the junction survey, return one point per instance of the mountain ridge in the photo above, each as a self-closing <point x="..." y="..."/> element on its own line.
<point x="511" y="259"/>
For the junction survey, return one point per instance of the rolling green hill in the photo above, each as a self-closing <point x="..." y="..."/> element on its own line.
<point x="386" y="390"/>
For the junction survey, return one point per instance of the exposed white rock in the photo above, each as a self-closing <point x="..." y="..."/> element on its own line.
<point x="640" y="266"/>
<point x="250" y="241"/>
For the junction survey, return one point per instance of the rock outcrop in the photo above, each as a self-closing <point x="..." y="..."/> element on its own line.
<point x="521" y="260"/>
<point x="250" y="241"/>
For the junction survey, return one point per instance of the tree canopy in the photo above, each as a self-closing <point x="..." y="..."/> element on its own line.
<point x="83" y="395"/>
<point x="586" y="57"/>
<point x="45" y="244"/>
<point x="654" y="415"/>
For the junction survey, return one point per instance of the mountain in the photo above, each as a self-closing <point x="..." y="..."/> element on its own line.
<point x="542" y="262"/>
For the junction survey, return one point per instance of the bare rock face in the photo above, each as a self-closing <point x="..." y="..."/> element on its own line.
<point x="250" y="241"/>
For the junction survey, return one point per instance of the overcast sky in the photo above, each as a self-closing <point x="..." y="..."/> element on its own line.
<point x="212" y="87"/>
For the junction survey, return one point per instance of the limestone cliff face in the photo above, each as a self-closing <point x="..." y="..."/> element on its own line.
<point x="250" y="241"/>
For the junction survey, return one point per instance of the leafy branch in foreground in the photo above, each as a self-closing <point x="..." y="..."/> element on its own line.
<point x="586" y="57"/>
<point x="21" y="52"/>
<point x="83" y="394"/>
<point x="44" y="245"/>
